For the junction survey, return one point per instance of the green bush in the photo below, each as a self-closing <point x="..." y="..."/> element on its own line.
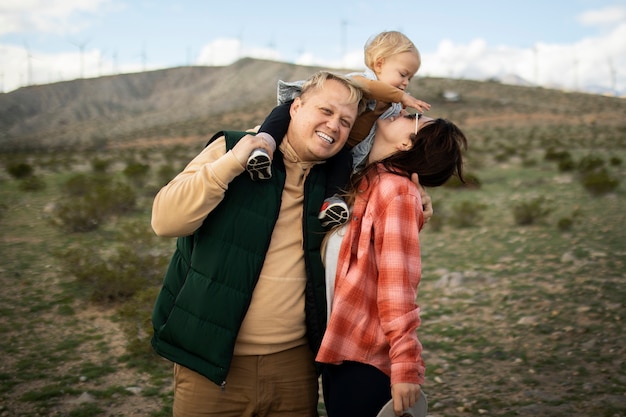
<point x="137" y="173"/>
<point x="78" y="215"/>
<point x="564" y="159"/>
<point x="79" y="185"/>
<point x="32" y="183"/>
<point x="467" y="214"/>
<point x="100" y="165"/>
<point x="590" y="163"/>
<point x="20" y="170"/>
<point x="90" y="200"/>
<point x="166" y="173"/>
<point x="532" y="211"/>
<point x="117" y="273"/>
<point x="471" y="181"/>
<point x="564" y="224"/>
<point x="566" y="165"/>
<point x="115" y="276"/>
<point x="553" y="155"/>
<point x="136" y="322"/>
<point x="599" y="182"/>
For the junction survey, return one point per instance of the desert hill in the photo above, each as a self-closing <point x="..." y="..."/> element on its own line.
<point x="192" y="101"/>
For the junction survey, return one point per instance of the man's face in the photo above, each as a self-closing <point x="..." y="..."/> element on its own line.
<point x="321" y="121"/>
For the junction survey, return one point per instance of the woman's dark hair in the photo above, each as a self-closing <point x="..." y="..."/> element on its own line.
<point x="436" y="155"/>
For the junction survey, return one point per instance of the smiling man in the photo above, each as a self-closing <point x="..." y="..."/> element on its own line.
<point x="242" y="309"/>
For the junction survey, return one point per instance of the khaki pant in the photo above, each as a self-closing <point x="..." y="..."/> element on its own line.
<point x="280" y="384"/>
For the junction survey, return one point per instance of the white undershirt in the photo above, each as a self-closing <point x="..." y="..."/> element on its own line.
<point x="331" y="256"/>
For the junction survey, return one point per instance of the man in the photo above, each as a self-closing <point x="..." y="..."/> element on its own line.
<point x="242" y="309"/>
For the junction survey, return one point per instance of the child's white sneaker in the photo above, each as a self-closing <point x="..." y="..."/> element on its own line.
<point x="334" y="212"/>
<point x="259" y="165"/>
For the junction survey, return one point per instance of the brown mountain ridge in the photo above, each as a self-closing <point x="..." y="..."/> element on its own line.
<point x="196" y="101"/>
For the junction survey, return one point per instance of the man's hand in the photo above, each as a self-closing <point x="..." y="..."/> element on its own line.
<point x="246" y="145"/>
<point x="427" y="204"/>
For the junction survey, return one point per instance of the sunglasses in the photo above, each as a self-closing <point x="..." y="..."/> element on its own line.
<point x="415" y="116"/>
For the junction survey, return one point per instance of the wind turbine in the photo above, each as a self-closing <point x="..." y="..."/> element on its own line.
<point x="81" y="49"/>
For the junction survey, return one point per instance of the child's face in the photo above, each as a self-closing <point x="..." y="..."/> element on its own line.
<point x="398" y="70"/>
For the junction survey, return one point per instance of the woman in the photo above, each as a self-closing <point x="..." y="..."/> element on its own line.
<point x="370" y="343"/>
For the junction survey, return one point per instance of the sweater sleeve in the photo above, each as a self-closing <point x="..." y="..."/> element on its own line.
<point x="380" y="91"/>
<point x="181" y="206"/>
<point x="399" y="267"/>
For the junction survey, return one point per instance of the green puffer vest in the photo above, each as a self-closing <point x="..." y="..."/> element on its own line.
<point x="209" y="283"/>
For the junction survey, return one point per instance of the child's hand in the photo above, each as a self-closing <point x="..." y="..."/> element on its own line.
<point x="410" y="101"/>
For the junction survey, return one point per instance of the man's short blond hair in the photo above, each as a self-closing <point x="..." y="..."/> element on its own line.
<point x="317" y="81"/>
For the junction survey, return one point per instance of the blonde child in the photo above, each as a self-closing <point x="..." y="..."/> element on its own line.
<point x="392" y="60"/>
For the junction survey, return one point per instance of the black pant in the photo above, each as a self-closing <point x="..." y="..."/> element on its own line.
<point x="354" y="389"/>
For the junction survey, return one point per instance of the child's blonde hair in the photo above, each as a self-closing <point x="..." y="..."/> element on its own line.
<point x="387" y="44"/>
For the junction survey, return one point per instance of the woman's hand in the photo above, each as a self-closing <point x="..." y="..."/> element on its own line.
<point x="427" y="204"/>
<point x="404" y="396"/>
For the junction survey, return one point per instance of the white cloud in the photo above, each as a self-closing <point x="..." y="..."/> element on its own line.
<point x="595" y="63"/>
<point x="46" y="16"/>
<point x="602" y="17"/>
<point x="224" y="51"/>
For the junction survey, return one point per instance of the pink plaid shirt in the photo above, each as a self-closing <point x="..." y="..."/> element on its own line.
<point x="374" y="316"/>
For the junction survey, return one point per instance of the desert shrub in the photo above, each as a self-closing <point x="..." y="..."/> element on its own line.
<point x="20" y="170"/>
<point x="78" y="215"/>
<point x="114" y="275"/>
<point x="529" y="162"/>
<point x="466" y="214"/>
<point x="166" y="173"/>
<point x="137" y="172"/>
<point x="553" y="155"/>
<point x="116" y="198"/>
<point x="471" y="181"/>
<point x="565" y="223"/>
<point x="566" y="165"/>
<point x="100" y="165"/>
<point x="128" y="275"/>
<point x="590" y="163"/>
<point x="79" y="185"/>
<point x="563" y="159"/>
<point x="32" y="183"/>
<point x="599" y="182"/>
<point x="615" y="161"/>
<point x="136" y="322"/>
<point x="531" y="211"/>
<point x="90" y="200"/>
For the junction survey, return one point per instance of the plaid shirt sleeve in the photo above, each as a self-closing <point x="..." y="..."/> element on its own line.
<point x="396" y="243"/>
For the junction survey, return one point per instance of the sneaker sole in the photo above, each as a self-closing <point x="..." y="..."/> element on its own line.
<point x="334" y="216"/>
<point x="259" y="167"/>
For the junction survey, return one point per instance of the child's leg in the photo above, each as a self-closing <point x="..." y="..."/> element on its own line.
<point x="335" y="211"/>
<point x="277" y="122"/>
<point x="273" y="130"/>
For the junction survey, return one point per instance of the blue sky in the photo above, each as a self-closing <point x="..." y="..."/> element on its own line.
<point x="574" y="44"/>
